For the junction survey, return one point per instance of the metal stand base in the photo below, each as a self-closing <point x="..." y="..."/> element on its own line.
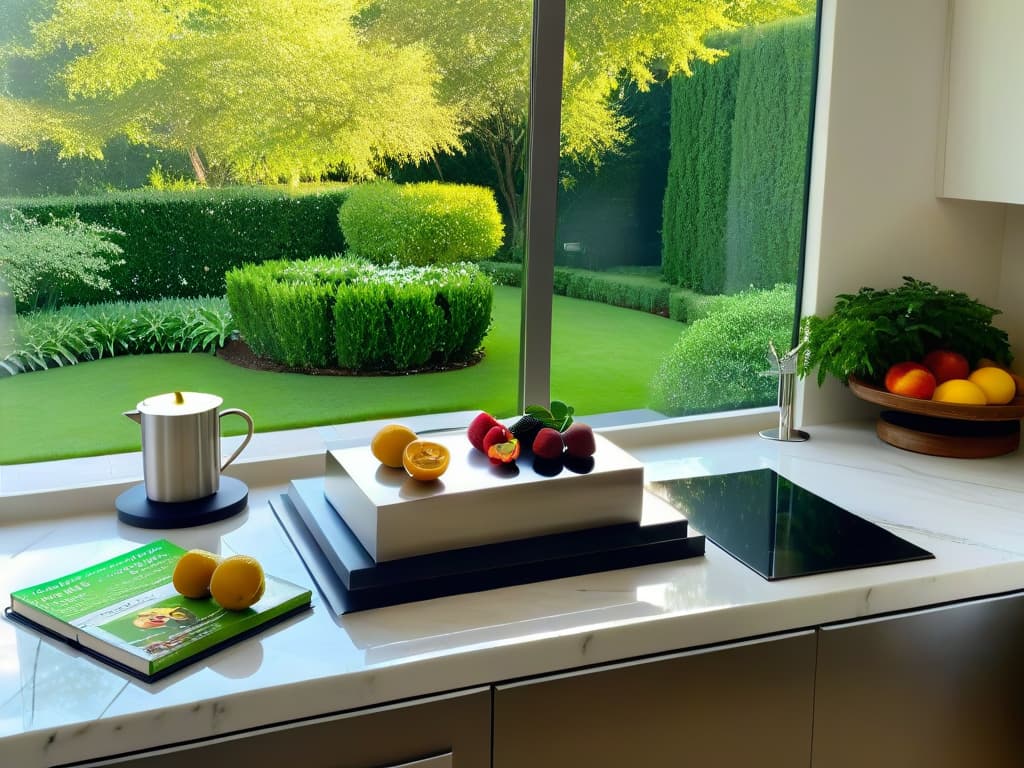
<point x="795" y="435"/>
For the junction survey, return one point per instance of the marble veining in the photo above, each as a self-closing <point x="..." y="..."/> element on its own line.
<point x="57" y="706"/>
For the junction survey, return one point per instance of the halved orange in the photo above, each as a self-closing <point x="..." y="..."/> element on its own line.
<point x="389" y="443"/>
<point x="425" y="460"/>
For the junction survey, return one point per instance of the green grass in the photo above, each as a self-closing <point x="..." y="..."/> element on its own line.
<point x="603" y="360"/>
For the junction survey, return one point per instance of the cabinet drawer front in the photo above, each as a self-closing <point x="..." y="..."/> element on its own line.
<point x="735" y="705"/>
<point x="450" y="731"/>
<point x="939" y="688"/>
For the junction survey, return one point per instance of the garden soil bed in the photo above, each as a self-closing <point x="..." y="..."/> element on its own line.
<point x="237" y="352"/>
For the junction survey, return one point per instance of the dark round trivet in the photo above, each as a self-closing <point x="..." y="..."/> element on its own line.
<point x="135" y="508"/>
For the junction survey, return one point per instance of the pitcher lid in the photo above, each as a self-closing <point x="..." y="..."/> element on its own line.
<point x="179" y="403"/>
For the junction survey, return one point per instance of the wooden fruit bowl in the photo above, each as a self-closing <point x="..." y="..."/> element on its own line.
<point x="944" y="429"/>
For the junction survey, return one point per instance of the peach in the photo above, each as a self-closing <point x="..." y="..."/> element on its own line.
<point x="946" y="364"/>
<point x="910" y="379"/>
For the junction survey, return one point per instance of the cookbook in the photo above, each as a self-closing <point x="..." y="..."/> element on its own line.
<point x="126" y="612"/>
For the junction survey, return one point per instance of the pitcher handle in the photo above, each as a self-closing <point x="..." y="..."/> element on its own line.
<point x="248" y="437"/>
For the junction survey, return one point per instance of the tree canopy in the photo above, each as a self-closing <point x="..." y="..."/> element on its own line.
<point x="269" y="89"/>
<point x="272" y="89"/>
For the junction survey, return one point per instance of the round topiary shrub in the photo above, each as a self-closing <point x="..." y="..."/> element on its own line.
<point x="718" y="361"/>
<point x="348" y="313"/>
<point x="421" y="224"/>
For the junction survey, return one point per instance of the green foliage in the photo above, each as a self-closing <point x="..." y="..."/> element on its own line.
<point x="734" y="202"/>
<point x="259" y="90"/>
<point x="633" y="291"/>
<point x="349" y="313"/>
<point x="769" y="157"/>
<point x="180" y="243"/>
<point x="872" y="329"/>
<point x="718" y="362"/>
<point x="48" y="338"/>
<point x="44" y="263"/>
<point x="421" y="224"/>
<point x="610" y="44"/>
<point x="557" y="416"/>
<point x="700" y="145"/>
<point x="688" y="306"/>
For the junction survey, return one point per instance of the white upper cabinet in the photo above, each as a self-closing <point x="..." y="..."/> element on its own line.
<point x="984" y="157"/>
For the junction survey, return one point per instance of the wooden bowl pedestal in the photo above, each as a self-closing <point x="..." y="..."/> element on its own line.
<point x="954" y="438"/>
<point x="944" y="429"/>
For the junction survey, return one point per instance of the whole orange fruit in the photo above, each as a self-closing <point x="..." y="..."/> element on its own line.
<point x="910" y="379"/>
<point x="389" y="443"/>
<point x="193" y="571"/>
<point x="425" y="460"/>
<point x="237" y="582"/>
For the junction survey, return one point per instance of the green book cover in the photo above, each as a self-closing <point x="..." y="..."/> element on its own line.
<point x="126" y="610"/>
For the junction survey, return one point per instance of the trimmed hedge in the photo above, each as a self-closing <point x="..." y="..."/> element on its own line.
<point x="647" y="294"/>
<point x="348" y="313"/>
<point x="734" y="203"/>
<point x="718" y="362"/>
<point x="180" y="244"/>
<point x="421" y="224"/>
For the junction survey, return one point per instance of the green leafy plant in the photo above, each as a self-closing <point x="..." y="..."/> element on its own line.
<point x="69" y="335"/>
<point x="870" y="330"/>
<point x="558" y="416"/>
<point x="42" y="262"/>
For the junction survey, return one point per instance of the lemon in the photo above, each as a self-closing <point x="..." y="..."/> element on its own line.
<point x="389" y="443"/>
<point x="998" y="386"/>
<point x="959" y="391"/>
<point x="238" y="582"/>
<point x="192" y="573"/>
<point x="425" y="460"/>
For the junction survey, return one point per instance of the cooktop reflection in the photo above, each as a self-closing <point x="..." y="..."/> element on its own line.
<point x="779" y="529"/>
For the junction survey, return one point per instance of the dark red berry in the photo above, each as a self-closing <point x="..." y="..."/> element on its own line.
<point x="548" y="443"/>
<point x="579" y="440"/>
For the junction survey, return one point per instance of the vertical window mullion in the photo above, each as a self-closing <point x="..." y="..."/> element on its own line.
<point x="541" y="193"/>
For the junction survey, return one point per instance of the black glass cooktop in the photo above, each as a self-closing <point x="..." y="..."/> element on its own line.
<point x="778" y="528"/>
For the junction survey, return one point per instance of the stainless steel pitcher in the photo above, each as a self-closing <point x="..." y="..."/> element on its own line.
<point x="181" y="444"/>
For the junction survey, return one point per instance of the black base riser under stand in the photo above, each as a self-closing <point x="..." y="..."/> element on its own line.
<point x="135" y="508"/>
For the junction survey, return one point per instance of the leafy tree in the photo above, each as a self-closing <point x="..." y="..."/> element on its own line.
<point x="483" y="56"/>
<point x="260" y="89"/>
<point x="269" y="89"/>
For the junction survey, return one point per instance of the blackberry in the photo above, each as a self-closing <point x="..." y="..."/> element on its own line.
<point x="525" y="430"/>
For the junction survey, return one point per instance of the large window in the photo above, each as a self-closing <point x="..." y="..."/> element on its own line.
<point x="650" y="237"/>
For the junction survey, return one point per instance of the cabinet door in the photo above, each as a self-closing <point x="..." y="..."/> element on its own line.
<point x="984" y="159"/>
<point x="940" y="688"/>
<point x="450" y="731"/>
<point x="737" y="705"/>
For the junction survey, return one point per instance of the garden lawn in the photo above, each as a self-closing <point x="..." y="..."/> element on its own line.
<point x="603" y="359"/>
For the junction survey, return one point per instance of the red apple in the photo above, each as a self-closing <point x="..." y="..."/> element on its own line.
<point x="910" y="379"/>
<point x="478" y="429"/>
<point x="946" y="364"/>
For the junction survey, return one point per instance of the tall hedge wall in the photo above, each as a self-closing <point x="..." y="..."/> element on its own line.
<point x="734" y="202"/>
<point x="180" y="244"/>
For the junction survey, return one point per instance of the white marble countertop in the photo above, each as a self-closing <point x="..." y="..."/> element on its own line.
<point x="57" y="706"/>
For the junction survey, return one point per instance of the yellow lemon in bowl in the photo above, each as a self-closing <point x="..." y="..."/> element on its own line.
<point x="998" y="386"/>
<point x="959" y="392"/>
